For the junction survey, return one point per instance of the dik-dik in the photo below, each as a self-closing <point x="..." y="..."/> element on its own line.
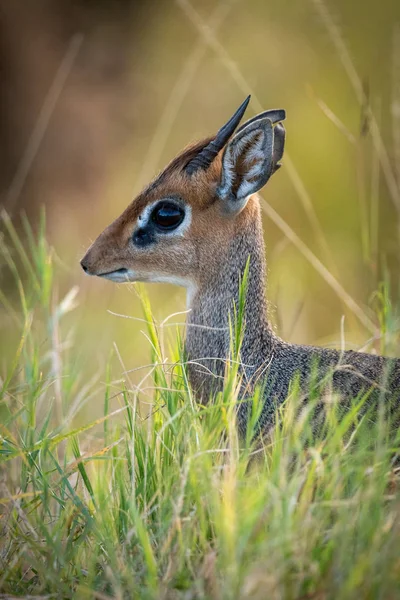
<point x="197" y="225"/>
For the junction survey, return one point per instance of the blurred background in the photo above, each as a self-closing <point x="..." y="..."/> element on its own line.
<point x="96" y="97"/>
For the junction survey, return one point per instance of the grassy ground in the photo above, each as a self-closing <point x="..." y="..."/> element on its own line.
<point x="158" y="498"/>
<point x="161" y="499"/>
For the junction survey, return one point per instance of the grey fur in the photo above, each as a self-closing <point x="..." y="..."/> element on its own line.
<point x="264" y="356"/>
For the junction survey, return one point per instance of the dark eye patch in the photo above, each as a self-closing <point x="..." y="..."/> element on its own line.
<point x="167" y="216"/>
<point x="143" y="237"/>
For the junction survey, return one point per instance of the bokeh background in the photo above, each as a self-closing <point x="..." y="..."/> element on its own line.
<point x="96" y="97"/>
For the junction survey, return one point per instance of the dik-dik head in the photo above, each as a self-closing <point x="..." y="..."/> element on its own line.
<point x="178" y="228"/>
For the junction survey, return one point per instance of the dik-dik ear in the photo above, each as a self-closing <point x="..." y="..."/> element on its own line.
<point x="249" y="160"/>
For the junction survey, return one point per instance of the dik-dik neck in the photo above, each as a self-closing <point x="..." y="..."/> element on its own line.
<point x="207" y="338"/>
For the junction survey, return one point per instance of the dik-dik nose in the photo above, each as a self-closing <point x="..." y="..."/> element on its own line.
<point x="84" y="267"/>
<point x="85" y="264"/>
<point x="91" y="264"/>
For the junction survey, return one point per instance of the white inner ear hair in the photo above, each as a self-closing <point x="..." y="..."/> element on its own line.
<point x="246" y="154"/>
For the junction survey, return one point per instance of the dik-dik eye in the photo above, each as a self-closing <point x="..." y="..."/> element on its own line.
<point x="167" y="216"/>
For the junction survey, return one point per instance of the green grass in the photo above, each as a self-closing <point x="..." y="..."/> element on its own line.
<point x="164" y="500"/>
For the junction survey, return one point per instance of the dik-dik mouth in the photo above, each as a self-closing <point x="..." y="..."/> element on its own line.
<point x="119" y="275"/>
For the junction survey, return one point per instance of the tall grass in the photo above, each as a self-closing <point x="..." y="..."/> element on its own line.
<point x="165" y="501"/>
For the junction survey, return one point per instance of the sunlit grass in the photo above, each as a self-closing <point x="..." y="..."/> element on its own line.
<point x="163" y="499"/>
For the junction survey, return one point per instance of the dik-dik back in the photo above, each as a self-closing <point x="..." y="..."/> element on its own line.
<point x="197" y="225"/>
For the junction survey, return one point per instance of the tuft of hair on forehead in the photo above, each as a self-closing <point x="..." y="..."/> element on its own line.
<point x="178" y="164"/>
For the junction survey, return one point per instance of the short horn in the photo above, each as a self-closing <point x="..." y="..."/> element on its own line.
<point x="206" y="156"/>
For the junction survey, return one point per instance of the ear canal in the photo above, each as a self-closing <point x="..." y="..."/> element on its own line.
<point x="249" y="160"/>
<point x="279" y="144"/>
